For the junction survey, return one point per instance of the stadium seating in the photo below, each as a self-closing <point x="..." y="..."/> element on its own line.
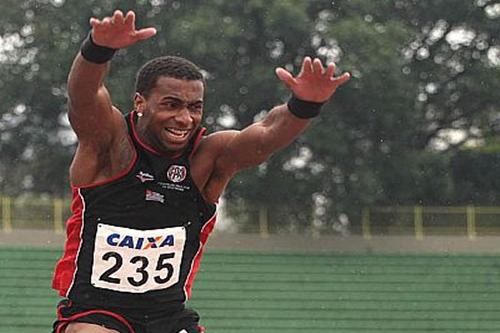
<point x="268" y="292"/>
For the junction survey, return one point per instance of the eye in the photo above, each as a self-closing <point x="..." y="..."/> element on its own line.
<point x="196" y="107"/>
<point x="171" y="105"/>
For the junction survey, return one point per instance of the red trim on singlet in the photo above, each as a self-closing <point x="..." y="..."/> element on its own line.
<point x="195" y="265"/>
<point x="63" y="322"/>
<point x="197" y="140"/>
<point x="136" y="136"/>
<point x="65" y="271"/>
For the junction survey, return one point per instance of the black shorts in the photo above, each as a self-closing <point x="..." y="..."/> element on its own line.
<point x="127" y="321"/>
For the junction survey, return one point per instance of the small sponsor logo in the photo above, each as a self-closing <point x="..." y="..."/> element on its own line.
<point x="145" y="177"/>
<point x="154" y="196"/>
<point x="174" y="187"/>
<point x="176" y="173"/>
<point x="140" y="243"/>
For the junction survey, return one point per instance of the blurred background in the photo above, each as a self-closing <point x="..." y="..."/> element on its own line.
<point x="383" y="217"/>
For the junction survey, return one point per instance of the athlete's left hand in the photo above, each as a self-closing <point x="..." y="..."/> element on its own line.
<point x="315" y="83"/>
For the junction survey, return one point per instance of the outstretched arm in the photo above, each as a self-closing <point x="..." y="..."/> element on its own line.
<point x="103" y="149"/>
<point x="90" y="109"/>
<point x="236" y="150"/>
<point x="312" y="87"/>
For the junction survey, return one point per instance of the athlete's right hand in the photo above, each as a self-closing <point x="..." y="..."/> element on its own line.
<point x="118" y="31"/>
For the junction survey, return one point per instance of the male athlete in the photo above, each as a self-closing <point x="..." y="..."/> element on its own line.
<point x="145" y="184"/>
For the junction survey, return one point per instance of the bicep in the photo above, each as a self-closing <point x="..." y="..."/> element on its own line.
<point x="254" y="144"/>
<point x="241" y="149"/>
<point x="224" y="154"/>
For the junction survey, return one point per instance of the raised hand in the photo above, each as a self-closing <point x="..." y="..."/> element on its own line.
<point x="315" y="83"/>
<point x="118" y="31"/>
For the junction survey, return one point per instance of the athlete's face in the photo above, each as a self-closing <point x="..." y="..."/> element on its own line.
<point x="172" y="113"/>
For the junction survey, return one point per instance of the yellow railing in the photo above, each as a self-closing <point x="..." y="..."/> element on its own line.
<point x="6" y="214"/>
<point x="48" y="213"/>
<point x="420" y="221"/>
<point x="470" y="214"/>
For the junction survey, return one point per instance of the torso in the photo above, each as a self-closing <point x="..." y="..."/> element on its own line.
<point x="138" y="235"/>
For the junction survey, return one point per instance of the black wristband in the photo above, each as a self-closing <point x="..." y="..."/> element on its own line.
<point x="96" y="53"/>
<point x="303" y="109"/>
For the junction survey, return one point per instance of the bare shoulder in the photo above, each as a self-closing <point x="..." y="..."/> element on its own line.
<point x="212" y="146"/>
<point x="204" y="160"/>
<point x="218" y="140"/>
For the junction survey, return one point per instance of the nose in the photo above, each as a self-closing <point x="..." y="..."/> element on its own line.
<point x="184" y="117"/>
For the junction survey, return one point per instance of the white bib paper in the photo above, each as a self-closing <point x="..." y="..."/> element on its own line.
<point x="137" y="261"/>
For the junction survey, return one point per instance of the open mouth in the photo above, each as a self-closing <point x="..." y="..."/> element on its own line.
<point x="177" y="134"/>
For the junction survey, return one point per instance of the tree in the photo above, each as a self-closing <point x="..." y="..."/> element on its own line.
<point x="422" y="69"/>
<point x="425" y="78"/>
<point x="475" y="174"/>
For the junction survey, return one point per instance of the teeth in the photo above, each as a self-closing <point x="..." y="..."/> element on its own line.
<point x="177" y="132"/>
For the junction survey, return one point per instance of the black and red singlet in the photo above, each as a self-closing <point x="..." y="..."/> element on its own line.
<point x="135" y="241"/>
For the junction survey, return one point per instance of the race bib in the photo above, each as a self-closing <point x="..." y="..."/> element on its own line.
<point x="137" y="261"/>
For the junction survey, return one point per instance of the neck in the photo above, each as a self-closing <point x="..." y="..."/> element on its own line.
<point x="150" y="142"/>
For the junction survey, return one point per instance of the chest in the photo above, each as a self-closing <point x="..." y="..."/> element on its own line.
<point x="156" y="193"/>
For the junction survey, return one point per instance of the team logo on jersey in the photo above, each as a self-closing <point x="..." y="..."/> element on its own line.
<point x="154" y="196"/>
<point x="145" y="177"/>
<point x="176" y="173"/>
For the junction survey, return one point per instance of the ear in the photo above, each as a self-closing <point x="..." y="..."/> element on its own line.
<point x="139" y="103"/>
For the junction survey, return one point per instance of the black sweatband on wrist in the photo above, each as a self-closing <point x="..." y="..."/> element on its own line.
<point x="96" y="53"/>
<point x="303" y="109"/>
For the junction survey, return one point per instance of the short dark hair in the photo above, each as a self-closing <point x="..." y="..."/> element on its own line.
<point x="170" y="66"/>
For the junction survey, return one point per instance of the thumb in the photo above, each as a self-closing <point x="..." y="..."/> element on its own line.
<point x="145" y="33"/>
<point x="94" y="22"/>
<point x="285" y="77"/>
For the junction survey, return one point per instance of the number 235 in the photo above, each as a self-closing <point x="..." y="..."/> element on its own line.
<point x="161" y="265"/>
